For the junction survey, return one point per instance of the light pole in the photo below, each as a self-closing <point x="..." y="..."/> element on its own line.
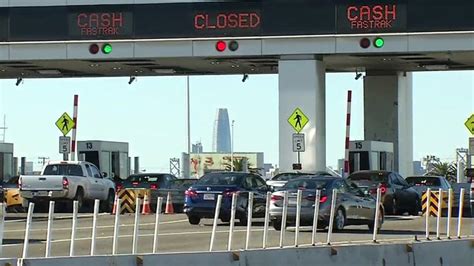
<point x="232" y="148"/>
<point x="188" y="128"/>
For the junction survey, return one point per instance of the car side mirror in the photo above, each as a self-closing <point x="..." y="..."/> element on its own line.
<point x="104" y="174"/>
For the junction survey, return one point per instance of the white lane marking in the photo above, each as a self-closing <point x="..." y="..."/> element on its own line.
<point x="90" y="227"/>
<point x="144" y="235"/>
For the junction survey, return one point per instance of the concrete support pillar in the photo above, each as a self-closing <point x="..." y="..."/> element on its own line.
<point x="302" y="84"/>
<point x="388" y="115"/>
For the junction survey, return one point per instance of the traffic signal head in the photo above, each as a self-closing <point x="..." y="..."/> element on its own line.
<point x="379" y="42"/>
<point x="221" y="46"/>
<point x="364" y="43"/>
<point x="107" y="48"/>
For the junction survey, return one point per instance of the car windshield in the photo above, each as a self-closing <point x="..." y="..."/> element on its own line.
<point x="424" y="181"/>
<point x="369" y="177"/>
<point x="306" y="184"/>
<point x="287" y="176"/>
<point x="143" y="178"/>
<point x="220" y="179"/>
<point x="63" y="169"/>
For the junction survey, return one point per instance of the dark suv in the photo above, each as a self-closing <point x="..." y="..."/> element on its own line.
<point x="397" y="195"/>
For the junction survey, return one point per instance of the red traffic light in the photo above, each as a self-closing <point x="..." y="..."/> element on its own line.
<point x="94" y="48"/>
<point x="221" y="46"/>
<point x="365" y="43"/>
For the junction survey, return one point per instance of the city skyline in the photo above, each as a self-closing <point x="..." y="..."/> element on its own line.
<point x="150" y="114"/>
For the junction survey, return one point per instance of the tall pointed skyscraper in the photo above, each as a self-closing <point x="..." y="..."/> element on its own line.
<point x="221" y="136"/>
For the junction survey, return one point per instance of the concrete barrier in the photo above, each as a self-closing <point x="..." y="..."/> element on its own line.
<point x="363" y="255"/>
<point x="117" y="260"/>
<point x="8" y="262"/>
<point x="448" y="252"/>
<point x="194" y="259"/>
<point x="443" y="253"/>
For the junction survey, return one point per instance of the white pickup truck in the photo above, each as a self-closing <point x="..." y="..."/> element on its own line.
<point x="65" y="181"/>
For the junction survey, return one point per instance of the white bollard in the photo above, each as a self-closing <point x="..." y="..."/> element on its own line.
<point x="136" y="225"/>
<point x="75" y="210"/>
<point x="232" y="221"/>
<point x="94" y="226"/>
<point x="450" y="209"/>
<point x="317" y="199"/>
<point x="31" y="207"/>
<point x="299" y="195"/>
<point x="427" y="213"/>
<point x="116" y="226"/>
<point x="49" y="233"/>
<point x="377" y="214"/>
<point x="249" y="219"/>
<point x="159" y="202"/>
<point x="331" y="216"/>
<point x="438" y="217"/>
<point x="461" y="206"/>
<point x="283" y="219"/>
<point x="214" y="225"/>
<point x="267" y="219"/>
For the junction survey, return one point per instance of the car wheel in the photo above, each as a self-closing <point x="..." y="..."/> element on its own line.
<point x="108" y="204"/>
<point x="416" y="208"/>
<point x="380" y="222"/>
<point x="339" y="220"/>
<point x="194" y="219"/>
<point x="395" y="209"/>
<point x="80" y="201"/>
<point x="225" y="219"/>
<point x="276" y="224"/>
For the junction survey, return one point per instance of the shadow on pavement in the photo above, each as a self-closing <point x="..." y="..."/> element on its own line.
<point x="12" y="241"/>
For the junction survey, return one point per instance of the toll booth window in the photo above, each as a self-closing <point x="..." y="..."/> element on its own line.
<point x="57" y="169"/>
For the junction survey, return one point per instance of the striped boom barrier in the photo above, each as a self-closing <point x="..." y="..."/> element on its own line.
<point x="348" y="132"/>
<point x="74" y="128"/>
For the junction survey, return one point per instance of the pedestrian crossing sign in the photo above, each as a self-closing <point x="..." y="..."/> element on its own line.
<point x="65" y="123"/>
<point x="470" y="124"/>
<point x="298" y="120"/>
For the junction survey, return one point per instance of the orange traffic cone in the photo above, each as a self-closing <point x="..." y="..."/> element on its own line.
<point x="169" y="205"/>
<point x="114" y="209"/>
<point x="146" y="205"/>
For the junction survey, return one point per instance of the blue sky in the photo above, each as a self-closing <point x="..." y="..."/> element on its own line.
<point x="150" y="113"/>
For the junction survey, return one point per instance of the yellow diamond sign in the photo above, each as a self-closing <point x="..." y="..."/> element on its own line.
<point x="298" y="120"/>
<point x="470" y="124"/>
<point x="65" y="123"/>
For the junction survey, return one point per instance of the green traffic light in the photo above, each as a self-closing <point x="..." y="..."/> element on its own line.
<point x="107" y="48"/>
<point x="379" y="42"/>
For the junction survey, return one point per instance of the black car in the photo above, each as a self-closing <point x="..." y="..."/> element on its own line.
<point x="397" y="195"/>
<point x="353" y="206"/>
<point x="200" y="201"/>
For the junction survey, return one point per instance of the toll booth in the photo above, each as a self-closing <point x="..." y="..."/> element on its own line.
<point x="111" y="157"/>
<point x="371" y="155"/>
<point x="6" y="161"/>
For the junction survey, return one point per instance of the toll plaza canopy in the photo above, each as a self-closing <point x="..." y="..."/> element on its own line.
<point x="231" y="18"/>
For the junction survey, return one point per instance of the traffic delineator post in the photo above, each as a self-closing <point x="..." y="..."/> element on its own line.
<point x="146" y="205"/>
<point x="169" y="205"/>
<point x="114" y="209"/>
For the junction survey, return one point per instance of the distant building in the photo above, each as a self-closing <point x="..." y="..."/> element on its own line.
<point x="221" y="137"/>
<point x="197" y="148"/>
<point x="28" y="168"/>
<point x="418" y="168"/>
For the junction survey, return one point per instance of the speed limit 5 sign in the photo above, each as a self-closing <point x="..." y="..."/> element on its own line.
<point x="298" y="142"/>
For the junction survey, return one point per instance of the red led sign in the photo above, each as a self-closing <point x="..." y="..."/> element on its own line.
<point x="224" y="21"/>
<point x="100" y="24"/>
<point x="371" y="17"/>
